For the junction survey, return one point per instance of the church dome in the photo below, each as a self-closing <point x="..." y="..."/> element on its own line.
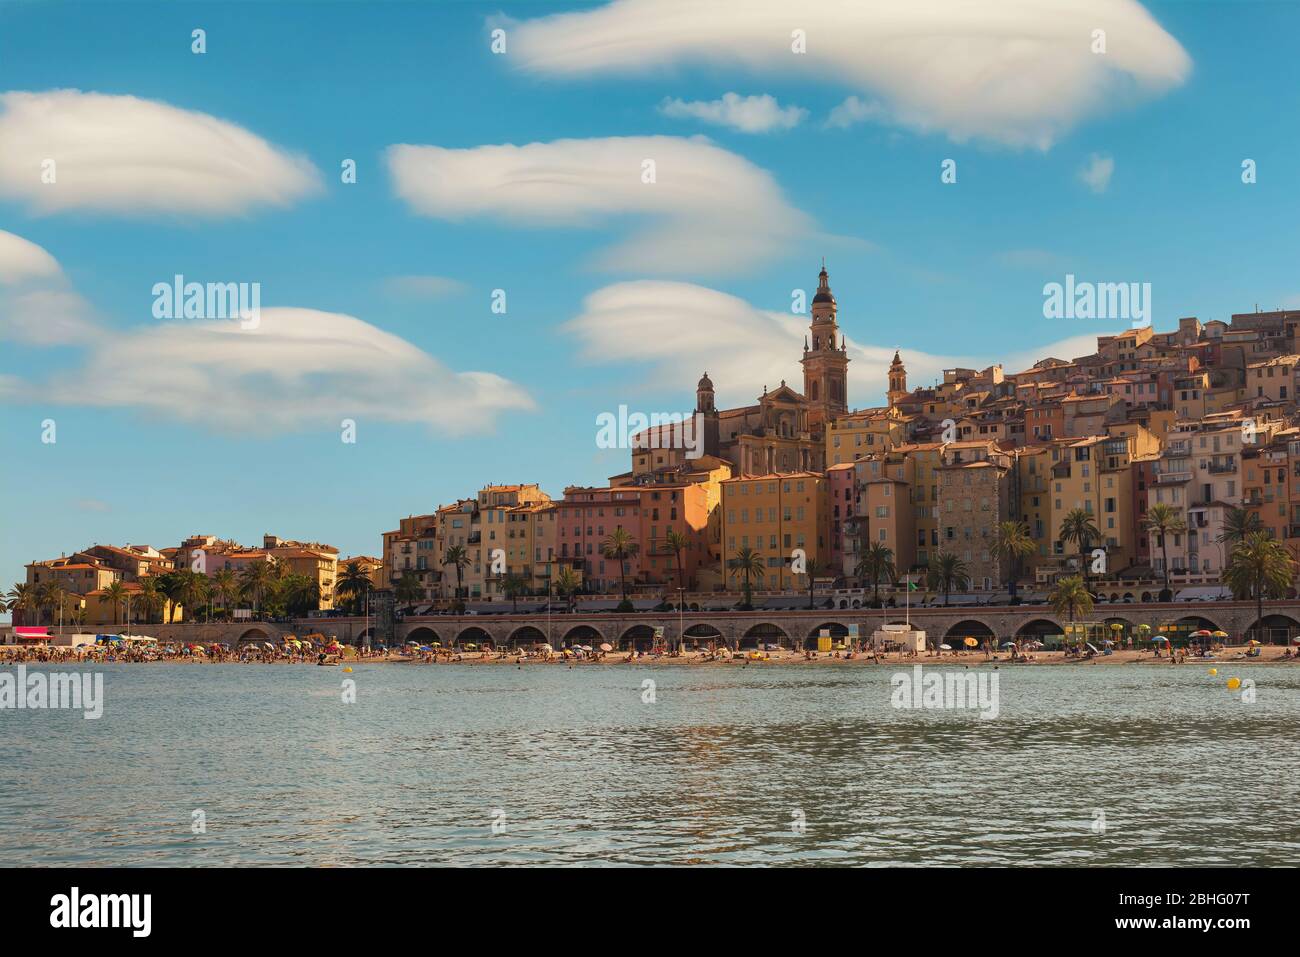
<point x="706" y="384"/>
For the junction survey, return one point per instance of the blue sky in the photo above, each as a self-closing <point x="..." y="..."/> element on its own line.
<point x="946" y="272"/>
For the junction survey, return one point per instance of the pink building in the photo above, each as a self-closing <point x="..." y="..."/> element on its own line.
<point x="586" y="517"/>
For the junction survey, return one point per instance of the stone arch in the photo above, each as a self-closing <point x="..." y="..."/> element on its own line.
<point x="1039" y="628"/>
<point x="423" y="635"/>
<point x="256" y="633"/>
<point x="764" y="633"/>
<point x="637" y="638"/>
<point x="1274" y="629"/>
<point x="969" y="628"/>
<point x="1186" y="624"/>
<point x="528" y="634"/>
<point x="702" y="633"/>
<point x="583" y="635"/>
<point x="1126" y="630"/>
<point x="838" y="632"/>
<point x="473" y="634"/>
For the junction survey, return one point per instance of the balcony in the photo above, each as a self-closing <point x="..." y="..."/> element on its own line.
<point x="1223" y="468"/>
<point x="1170" y="478"/>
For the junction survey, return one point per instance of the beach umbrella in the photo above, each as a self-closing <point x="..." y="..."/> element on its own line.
<point x="608" y="647"/>
<point x="1220" y="634"/>
<point x="1092" y="646"/>
<point x="470" y="646"/>
<point x="1116" y="626"/>
<point x="436" y="644"/>
<point x="1252" y="642"/>
<point x="1201" y="634"/>
<point x="544" y="647"/>
<point x="586" y="648"/>
<point x="971" y="642"/>
<point x="945" y="647"/>
<point x="1008" y="644"/>
<point x="425" y="648"/>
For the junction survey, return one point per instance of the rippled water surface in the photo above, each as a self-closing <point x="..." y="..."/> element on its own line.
<point x="575" y="768"/>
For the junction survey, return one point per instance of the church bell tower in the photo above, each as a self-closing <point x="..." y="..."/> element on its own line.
<point x="825" y="363"/>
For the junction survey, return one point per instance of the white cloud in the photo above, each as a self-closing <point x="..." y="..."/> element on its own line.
<point x="422" y="287"/>
<point x="679" y="330"/>
<point x="748" y="114"/>
<point x="299" y="369"/>
<point x="1018" y="72"/>
<point x="708" y="210"/>
<point x="121" y="154"/>
<point x="37" y="306"/>
<point x="21" y="260"/>
<point x="1097" y="172"/>
<point x="854" y="110"/>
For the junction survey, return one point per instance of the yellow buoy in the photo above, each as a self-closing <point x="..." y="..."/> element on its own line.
<point x="349" y="669"/>
<point x="1234" y="684"/>
<point x="1214" y="671"/>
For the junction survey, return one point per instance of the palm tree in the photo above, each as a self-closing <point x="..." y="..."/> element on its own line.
<point x="567" y="583"/>
<point x="1013" y="543"/>
<point x="408" y="590"/>
<point x="193" y="590"/>
<point x="1259" y="565"/>
<point x="22" y="597"/>
<point x="226" y="588"/>
<point x="512" y="586"/>
<point x="57" y="596"/>
<point x="1071" y="597"/>
<point x="255" y="581"/>
<point x="151" y="598"/>
<point x="747" y="562"/>
<point x="619" y="547"/>
<point x="678" y="542"/>
<point x="1078" y="527"/>
<point x="299" y="594"/>
<point x="1164" y="520"/>
<point x="810" y="569"/>
<point x="457" y="556"/>
<point x="114" y="593"/>
<point x="946" y="573"/>
<point x="877" y="562"/>
<point x="1239" y="523"/>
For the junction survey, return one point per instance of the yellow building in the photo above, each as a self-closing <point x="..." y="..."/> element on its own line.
<point x="506" y="535"/>
<point x="774" y="515"/>
<point x="862" y="434"/>
<point x="1094" y="474"/>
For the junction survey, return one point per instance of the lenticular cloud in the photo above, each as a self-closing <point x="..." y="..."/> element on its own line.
<point x="1015" y="72"/>
<point x="68" y="150"/>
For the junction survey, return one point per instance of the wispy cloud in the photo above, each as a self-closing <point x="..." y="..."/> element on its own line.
<point x="854" y="110"/>
<point x="422" y="287"/>
<point x="69" y="150"/>
<point x="37" y="305"/>
<point x="1096" y="173"/>
<point x="676" y="330"/>
<point x="747" y="114"/>
<point x="1018" y="72"/>
<point x="705" y="209"/>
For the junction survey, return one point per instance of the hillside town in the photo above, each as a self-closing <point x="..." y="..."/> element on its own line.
<point x="1163" y="464"/>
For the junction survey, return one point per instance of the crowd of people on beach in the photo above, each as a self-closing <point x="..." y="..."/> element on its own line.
<point x="331" y="652"/>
